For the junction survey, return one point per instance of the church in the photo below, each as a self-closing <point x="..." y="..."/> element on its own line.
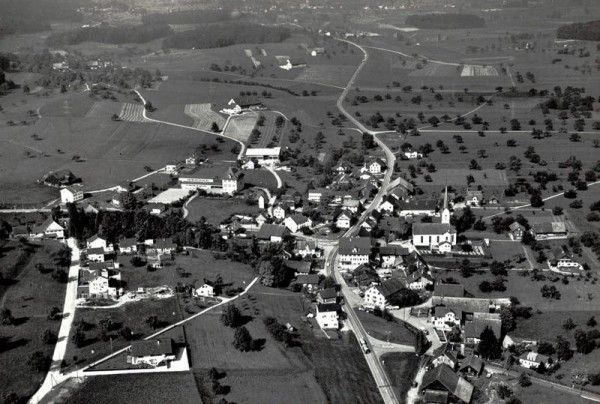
<point x="436" y="236"/>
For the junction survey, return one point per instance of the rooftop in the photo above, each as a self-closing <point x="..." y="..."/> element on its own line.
<point x="156" y="347"/>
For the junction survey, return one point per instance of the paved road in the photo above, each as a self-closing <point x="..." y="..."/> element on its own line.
<point x="54" y="376"/>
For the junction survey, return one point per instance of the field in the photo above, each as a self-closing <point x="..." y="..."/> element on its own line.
<point x="401" y="369"/>
<point x="216" y="210"/>
<point x="138" y="389"/>
<point x="239" y="127"/>
<point x="132" y="315"/>
<point x="29" y="294"/>
<point x="204" y="116"/>
<point x="383" y="330"/>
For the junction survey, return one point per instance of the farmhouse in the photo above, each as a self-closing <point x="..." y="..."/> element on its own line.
<point x="95" y="254"/>
<point x="445" y="355"/>
<point x="243" y="103"/>
<point x="49" y="229"/>
<point x="293" y="64"/>
<point x="344" y="220"/>
<point x="354" y="251"/>
<point x="316" y="195"/>
<point x="162" y="246"/>
<point x="297" y="222"/>
<point x="306" y="248"/>
<point x="97" y="242"/>
<point x="96" y="283"/>
<point x="418" y="280"/>
<point x="382" y="295"/>
<point x="128" y="246"/>
<point x="71" y="194"/>
<point x="516" y="230"/>
<point x="264" y="156"/>
<point x="441" y="384"/>
<point x="272" y="232"/>
<point x="389" y="204"/>
<point x="444" y="318"/>
<point x="59" y="178"/>
<point x="471" y="365"/>
<point x="391" y="256"/>
<point x="309" y="281"/>
<point x="151" y="352"/>
<point x="327" y="316"/>
<point x="375" y="166"/>
<point x="20" y="231"/>
<point x="327" y="296"/>
<point x="532" y="360"/>
<point x="280" y="211"/>
<point x="480" y="321"/>
<point x="206" y="290"/>
<point x="562" y="259"/>
<point x="214" y="180"/>
<point x="549" y="230"/>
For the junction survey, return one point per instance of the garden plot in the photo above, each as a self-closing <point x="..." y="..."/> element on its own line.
<point x="132" y="113"/>
<point x="478" y="71"/>
<point x="204" y="116"/>
<point x="239" y="127"/>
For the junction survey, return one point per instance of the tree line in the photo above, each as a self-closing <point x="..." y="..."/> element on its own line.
<point x="586" y="31"/>
<point x="221" y="35"/>
<point x="113" y="35"/>
<point x="445" y="21"/>
<point x="29" y="16"/>
<point x="188" y="17"/>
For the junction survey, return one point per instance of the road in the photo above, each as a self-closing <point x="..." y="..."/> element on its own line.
<point x="54" y="376"/>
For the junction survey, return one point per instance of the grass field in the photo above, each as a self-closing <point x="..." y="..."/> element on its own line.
<point x="179" y="387"/>
<point x="216" y="210"/>
<point x="384" y="330"/>
<point x="401" y="369"/>
<point x="29" y="295"/>
<point x="239" y="127"/>
<point x="204" y="116"/>
<point x="132" y="315"/>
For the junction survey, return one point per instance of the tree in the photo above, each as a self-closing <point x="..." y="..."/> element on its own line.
<point x="498" y="268"/>
<point x="242" y="340"/>
<point x="128" y="200"/>
<point x="38" y="361"/>
<point x="214" y="127"/>
<point x="546" y="348"/>
<point x="54" y="313"/>
<point x="508" y="320"/>
<point x="126" y="333"/>
<point x="231" y="317"/>
<point x="485" y="287"/>
<point x="568" y="324"/>
<point x="524" y="380"/>
<point x="78" y="337"/>
<point x="48" y="336"/>
<point x="153" y="322"/>
<point x="592" y="322"/>
<point x="504" y="392"/>
<point x="465" y="268"/>
<point x="6" y="317"/>
<point x="489" y="346"/>
<point x="563" y="349"/>
<point x="584" y="343"/>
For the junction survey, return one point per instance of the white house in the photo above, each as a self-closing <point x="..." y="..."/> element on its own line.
<point x="206" y="290"/>
<point x="297" y="222"/>
<point x="96" y="283"/>
<point x="354" y="251"/>
<point x="261" y="219"/>
<point x="280" y="211"/>
<point x="171" y="168"/>
<point x="376" y="166"/>
<point x="445" y="318"/>
<point x="315" y="195"/>
<point x="95" y="254"/>
<point x="391" y="256"/>
<point x="96" y="242"/>
<point x="412" y="155"/>
<point x="273" y="233"/>
<point x="49" y="229"/>
<point x="563" y="260"/>
<point x="381" y="295"/>
<point x="351" y="204"/>
<point x="434" y="236"/>
<point x="292" y="64"/>
<point x="327" y="316"/>
<point x="343" y="220"/>
<point x="531" y="360"/>
<point x="152" y="352"/>
<point x="264" y="156"/>
<point x="418" y="280"/>
<point x="473" y="198"/>
<point x="389" y="204"/>
<point x="128" y="246"/>
<point x="71" y="194"/>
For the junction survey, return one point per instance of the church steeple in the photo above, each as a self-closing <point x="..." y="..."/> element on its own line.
<point x="446" y="211"/>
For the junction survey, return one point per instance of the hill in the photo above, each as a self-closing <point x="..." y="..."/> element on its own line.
<point x="586" y="31"/>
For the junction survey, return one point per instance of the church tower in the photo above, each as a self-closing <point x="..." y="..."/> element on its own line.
<point x="446" y="211"/>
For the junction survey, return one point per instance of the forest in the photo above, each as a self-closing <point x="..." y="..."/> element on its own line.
<point x="112" y="35"/>
<point x="586" y="31"/>
<point x="221" y="35"/>
<point x="445" y="21"/>
<point x="189" y="17"/>
<point x="28" y="16"/>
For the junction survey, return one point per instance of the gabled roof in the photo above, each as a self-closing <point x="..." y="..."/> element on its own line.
<point x="464" y="304"/>
<point x="441" y="311"/>
<point x="311" y="279"/>
<point x="516" y="225"/>
<point x="474" y="194"/>
<point x="472" y="362"/>
<point x="452" y="382"/>
<point x="269" y="230"/>
<point x="390" y="287"/>
<point x="432" y="228"/>
<point x="328" y="293"/>
<point x="299" y="219"/>
<point x="355" y="246"/>
<point x="445" y="350"/>
<point x="549" y="227"/>
<point x="95" y="251"/>
<point x="449" y="290"/>
<point x="94" y="238"/>
<point x="127" y="242"/>
<point x="474" y="328"/>
<point x="535" y="357"/>
<point x="164" y="243"/>
<point x="395" y="250"/>
<point x="329" y="307"/>
<point x="378" y="161"/>
<point x="298" y="266"/>
<point x="156" y="347"/>
<point x="46" y="224"/>
<point x="419" y="204"/>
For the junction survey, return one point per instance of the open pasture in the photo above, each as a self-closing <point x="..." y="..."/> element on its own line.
<point x="204" y="116"/>
<point x="72" y="105"/>
<point x="336" y="75"/>
<point x="216" y="210"/>
<point x="240" y="127"/>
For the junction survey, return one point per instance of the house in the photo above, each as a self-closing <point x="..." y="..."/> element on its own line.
<point x="297" y="222"/>
<point x="516" y="231"/>
<point x="95" y="254"/>
<point x="96" y="242"/>
<point x="418" y="280"/>
<point x="444" y="355"/>
<point x="510" y="340"/>
<point x="299" y="267"/>
<point x="206" y="290"/>
<point x="317" y="51"/>
<point x="293" y="64"/>
<point x="327" y="296"/>
<point x="20" y="232"/>
<point x="412" y="154"/>
<point x="365" y="277"/>
<point x="71" y="194"/>
<point x="344" y="220"/>
<point x="466" y="305"/>
<point x="354" y="251"/>
<point x="391" y="256"/>
<point x="49" y="229"/>
<point x="549" y="230"/>
<point x="376" y="166"/>
<point x="163" y="246"/>
<point x="309" y="281"/>
<point x="562" y="259"/>
<point x="441" y="384"/>
<point x="449" y="290"/>
<point x="473" y="198"/>
<point x="272" y="232"/>
<point x="383" y="295"/>
<point x="154" y="352"/>
<point x="128" y="186"/>
<point x="342" y="168"/>
<point x="99" y="282"/>
<point x="471" y="365"/>
<point x="481" y="321"/>
<point x="531" y="360"/>
<point x="307" y="248"/>
<point x="264" y="156"/>
<point x="280" y="211"/>
<point x="59" y="178"/>
<point x="416" y="207"/>
<point x="445" y="318"/>
<point x="327" y="316"/>
<point x="214" y="179"/>
<point x="261" y="219"/>
<point x="351" y="204"/>
<point x="236" y="106"/>
<point x="318" y="194"/>
<point x="434" y="236"/>
<point x="128" y="246"/>
<point x="389" y="204"/>
<point x="191" y="160"/>
<point x="156" y="208"/>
